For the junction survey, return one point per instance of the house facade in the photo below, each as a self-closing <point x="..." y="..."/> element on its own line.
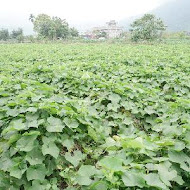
<point x="111" y="30"/>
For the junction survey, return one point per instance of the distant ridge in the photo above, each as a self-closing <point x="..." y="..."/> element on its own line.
<point x="175" y="14"/>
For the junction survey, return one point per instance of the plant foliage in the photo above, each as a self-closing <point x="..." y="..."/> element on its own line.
<point x="88" y="117"/>
<point x="52" y="27"/>
<point x="147" y="28"/>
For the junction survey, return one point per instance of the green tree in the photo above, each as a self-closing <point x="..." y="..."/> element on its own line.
<point x="43" y="25"/>
<point x="147" y="28"/>
<point x="74" y="32"/>
<point x="4" y="34"/>
<point x="29" y="38"/>
<point x="60" y="27"/>
<point x="31" y="18"/>
<point x="18" y="34"/>
<point x="51" y="27"/>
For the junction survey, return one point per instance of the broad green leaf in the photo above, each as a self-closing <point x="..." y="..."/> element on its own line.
<point x="179" y="146"/>
<point x="14" y="138"/>
<point x="87" y="170"/>
<point x="35" y="156"/>
<point x="113" y="106"/>
<point x="92" y="133"/>
<point x="128" y="121"/>
<point x="32" y="116"/>
<point x="26" y="142"/>
<point x="74" y="158"/>
<point x="149" y="110"/>
<point x="153" y="180"/>
<point x="180" y="158"/>
<point x="33" y="124"/>
<point x="18" y="125"/>
<point x="37" y="172"/>
<point x="83" y="180"/>
<point x="71" y="188"/>
<point x="131" y="179"/>
<point x="71" y="123"/>
<point x="69" y="143"/>
<point x="5" y="162"/>
<point x="37" y="185"/>
<point x="115" y="98"/>
<point x="32" y="109"/>
<point x="51" y="149"/>
<point x="12" y="112"/>
<point x="111" y="163"/>
<point x="54" y="125"/>
<point x="99" y="185"/>
<point x="4" y="182"/>
<point x="136" y="143"/>
<point x="18" y="170"/>
<point x="51" y="166"/>
<point x="165" y="175"/>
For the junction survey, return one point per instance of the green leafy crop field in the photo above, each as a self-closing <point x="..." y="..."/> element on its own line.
<point x="94" y="117"/>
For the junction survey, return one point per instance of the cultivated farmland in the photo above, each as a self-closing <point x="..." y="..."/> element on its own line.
<point x="94" y="116"/>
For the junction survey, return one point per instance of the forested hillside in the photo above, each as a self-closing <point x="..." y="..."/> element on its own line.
<point x="175" y="14"/>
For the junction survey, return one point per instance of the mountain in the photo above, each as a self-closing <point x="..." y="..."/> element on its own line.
<point x="175" y="14"/>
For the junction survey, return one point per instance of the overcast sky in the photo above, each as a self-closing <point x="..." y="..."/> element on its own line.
<point x="79" y="13"/>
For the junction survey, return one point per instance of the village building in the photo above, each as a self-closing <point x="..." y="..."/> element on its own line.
<point x="111" y="30"/>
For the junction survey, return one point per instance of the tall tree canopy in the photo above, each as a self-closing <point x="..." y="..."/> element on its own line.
<point x="74" y="32"/>
<point x="31" y="18"/>
<point x="4" y="34"/>
<point x="17" y="34"/>
<point x="147" y="28"/>
<point x="51" y="27"/>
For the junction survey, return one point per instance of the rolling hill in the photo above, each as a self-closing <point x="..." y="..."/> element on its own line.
<point x="175" y="14"/>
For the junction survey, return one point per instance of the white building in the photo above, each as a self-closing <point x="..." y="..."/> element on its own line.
<point x="112" y="30"/>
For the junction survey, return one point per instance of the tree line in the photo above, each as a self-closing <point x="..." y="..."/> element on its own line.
<point x="14" y="34"/>
<point x="52" y="28"/>
<point x="146" y="28"/>
<point x="45" y="27"/>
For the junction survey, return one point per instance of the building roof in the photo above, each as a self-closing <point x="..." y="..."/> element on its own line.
<point x="112" y="25"/>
